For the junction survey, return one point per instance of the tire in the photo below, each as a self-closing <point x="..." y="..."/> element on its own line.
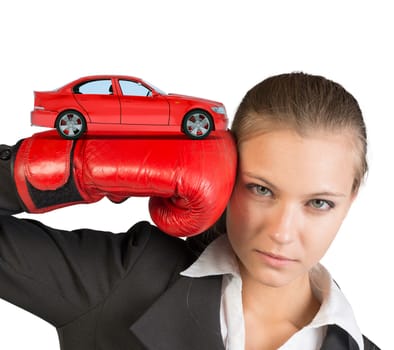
<point x="197" y="124"/>
<point x="70" y="125"/>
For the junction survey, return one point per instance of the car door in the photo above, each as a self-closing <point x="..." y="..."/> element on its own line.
<point x="140" y="106"/>
<point x="97" y="99"/>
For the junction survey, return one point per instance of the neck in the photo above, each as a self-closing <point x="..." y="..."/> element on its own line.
<point x="292" y="303"/>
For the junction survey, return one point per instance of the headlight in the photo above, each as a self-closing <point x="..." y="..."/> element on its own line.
<point x="219" y="109"/>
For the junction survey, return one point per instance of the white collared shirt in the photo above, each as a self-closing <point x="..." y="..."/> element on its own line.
<point x="219" y="259"/>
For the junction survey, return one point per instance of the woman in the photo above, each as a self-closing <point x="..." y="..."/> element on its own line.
<point x="301" y="143"/>
<point x="302" y="150"/>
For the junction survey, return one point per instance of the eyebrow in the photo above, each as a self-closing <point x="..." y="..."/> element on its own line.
<point x="316" y="194"/>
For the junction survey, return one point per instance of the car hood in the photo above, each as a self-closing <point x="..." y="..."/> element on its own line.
<point x="192" y="98"/>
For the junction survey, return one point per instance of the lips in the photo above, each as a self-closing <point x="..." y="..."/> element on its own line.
<point x="275" y="256"/>
<point x="275" y="260"/>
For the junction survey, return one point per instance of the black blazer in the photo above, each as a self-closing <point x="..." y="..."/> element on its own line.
<point x="115" y="291"/>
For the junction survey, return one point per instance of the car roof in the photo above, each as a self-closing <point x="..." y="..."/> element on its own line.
<point x="105" y="76"/>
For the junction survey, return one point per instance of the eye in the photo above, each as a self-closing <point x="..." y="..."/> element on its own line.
<point x="260" y="190"/>
<point x="321" y="204"/>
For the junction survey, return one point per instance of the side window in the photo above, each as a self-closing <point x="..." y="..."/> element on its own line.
<point x="132" y="88"/>
<point x="95" y="87"/>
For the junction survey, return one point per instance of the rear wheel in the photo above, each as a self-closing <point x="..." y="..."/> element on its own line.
<point x="70" y="124"/>
<point x="197" y="124"/>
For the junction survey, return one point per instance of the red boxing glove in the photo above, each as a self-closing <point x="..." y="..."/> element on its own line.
<point x="189" y="181"/>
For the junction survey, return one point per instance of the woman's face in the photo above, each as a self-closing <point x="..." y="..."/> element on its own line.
<point x="291" y="196"/>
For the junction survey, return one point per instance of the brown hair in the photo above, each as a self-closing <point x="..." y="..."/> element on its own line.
<point x="303" y="103"/>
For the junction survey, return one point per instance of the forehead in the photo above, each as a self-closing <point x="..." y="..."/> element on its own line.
<point x="318" y="161"/>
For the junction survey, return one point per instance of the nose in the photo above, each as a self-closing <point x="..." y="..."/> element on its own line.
<point x="282" y="224"/>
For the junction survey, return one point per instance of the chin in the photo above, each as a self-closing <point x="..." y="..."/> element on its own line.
<point x="274" y="278"/>
<point x="274" y="282"/>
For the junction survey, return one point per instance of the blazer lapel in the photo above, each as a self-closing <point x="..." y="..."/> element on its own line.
<point x="337" y="339"/>
<point x="186" y="316"/>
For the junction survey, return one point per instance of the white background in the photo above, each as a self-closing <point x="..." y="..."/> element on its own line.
<point x="217" y="50"/>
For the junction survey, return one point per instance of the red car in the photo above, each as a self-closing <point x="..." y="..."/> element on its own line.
<point x="123" y="104"/>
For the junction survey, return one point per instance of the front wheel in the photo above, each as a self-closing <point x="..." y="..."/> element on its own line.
<point x="70" y="124"/>
<point x="197" y="124"/>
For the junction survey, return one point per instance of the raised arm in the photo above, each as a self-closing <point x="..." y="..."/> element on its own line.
<point x="188" y="181"/>
<point x="58" y="275"/>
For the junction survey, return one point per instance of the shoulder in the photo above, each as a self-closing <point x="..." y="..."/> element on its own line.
<point x="156" y="249"/>
<point x="337" y="338"/>
<point x="143" y="234"/>
<point x="369" y="345"/>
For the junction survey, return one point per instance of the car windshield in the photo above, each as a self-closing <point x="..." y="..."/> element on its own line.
<point x="160" y="91"/>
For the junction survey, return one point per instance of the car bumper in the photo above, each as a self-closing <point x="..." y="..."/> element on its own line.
<point x="221" y="124"/>
<point x="43" y="118"/>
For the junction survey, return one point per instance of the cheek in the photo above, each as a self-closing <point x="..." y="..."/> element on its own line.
<point x="237" y="217"/>
<point x="243" y="218"/>
<point x="318" y="236"/>
<point x="239" y="212"/>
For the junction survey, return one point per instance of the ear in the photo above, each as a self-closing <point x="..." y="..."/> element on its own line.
<point x="354" y="194"/>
